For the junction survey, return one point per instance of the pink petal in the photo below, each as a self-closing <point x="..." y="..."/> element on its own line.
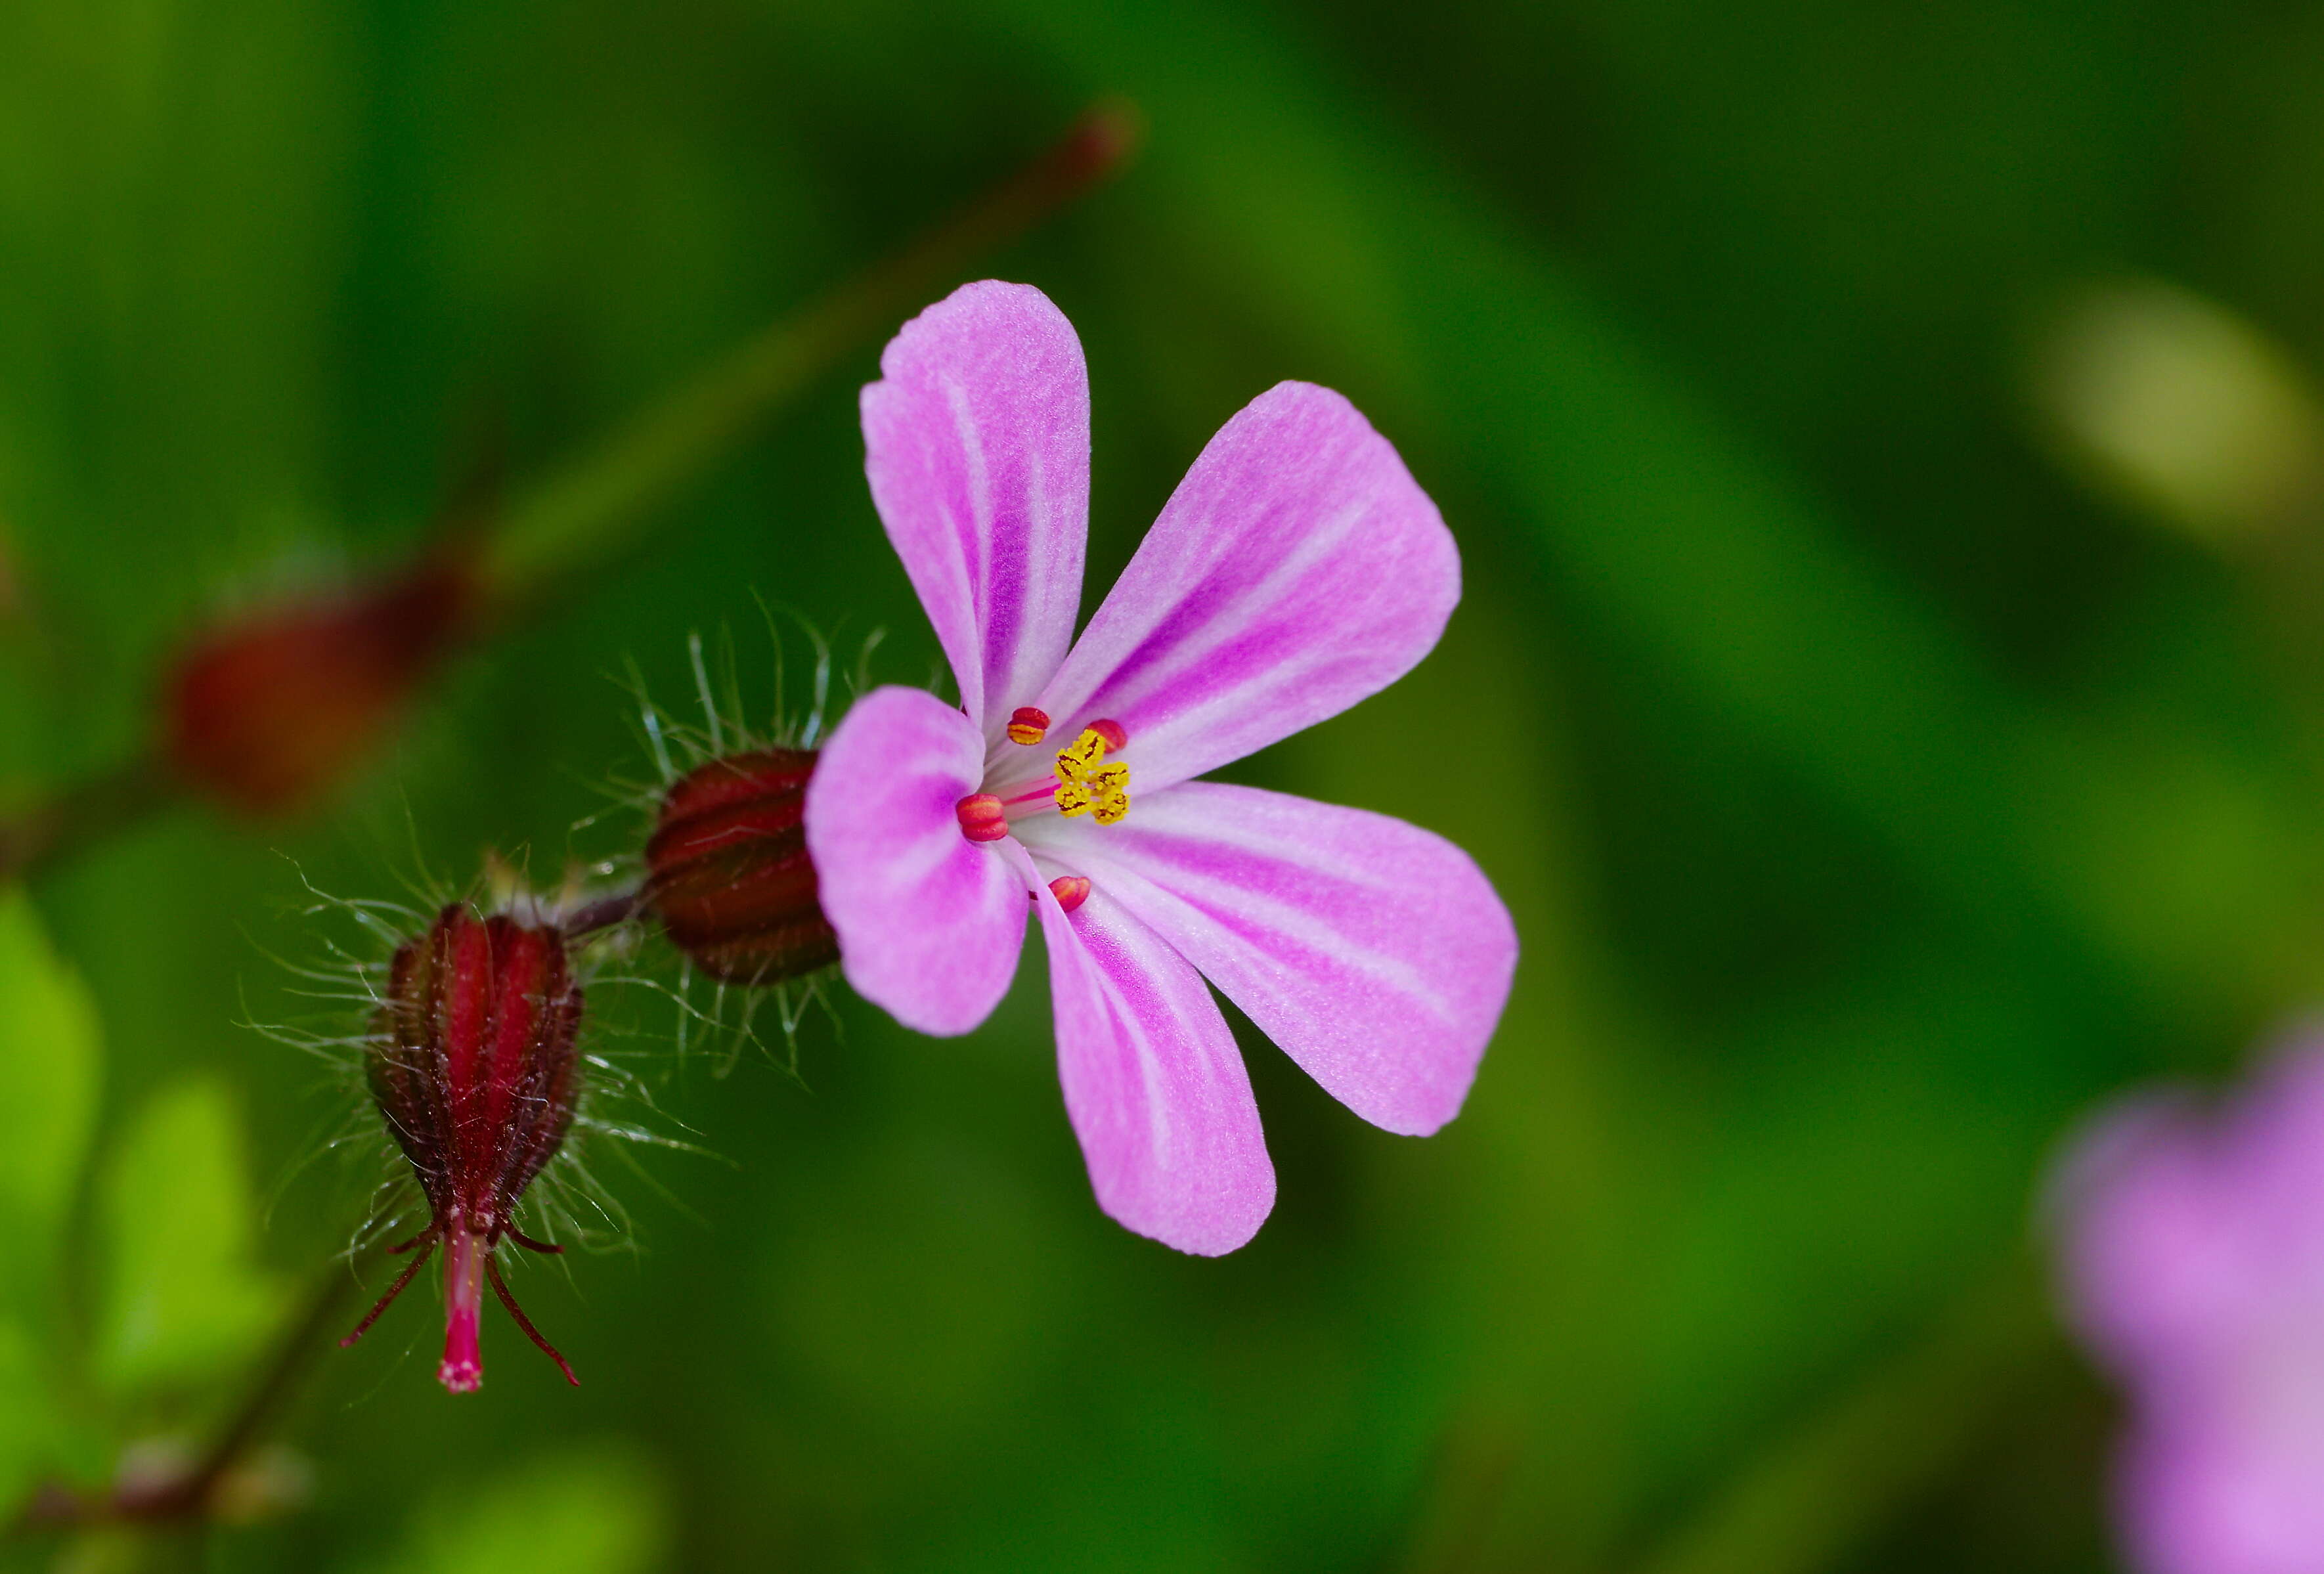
<point x="1374" y="952"/>
<point x="2211" y="1500"/>
<point x="929" y="923"/>
<point x="1154" y="1084"/>
<point x="1297" y="568"/>
<point x="976" y="442"/>
<point x="2154" y="1264"/>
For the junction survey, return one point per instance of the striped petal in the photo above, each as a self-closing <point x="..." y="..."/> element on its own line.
<point x="1154" y="1084"/>
<point x="1372" y="952"/>
<point x="929" y="923"/>
<point x="1297" y="569"/>
<point x="976" y="443"/>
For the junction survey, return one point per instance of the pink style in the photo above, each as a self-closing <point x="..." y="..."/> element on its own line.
<point x="1297" y="569"/>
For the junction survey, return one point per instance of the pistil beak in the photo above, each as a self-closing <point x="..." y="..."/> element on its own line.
<point x="463" y="1368"/>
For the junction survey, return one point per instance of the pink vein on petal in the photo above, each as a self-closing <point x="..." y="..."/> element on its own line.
<point x="976" y="445"/>
<point x="1153" y="1082"/>
<point x="1297" y="569"/>
<point x="929" y="923"/>
<point x="1375" y="953"/>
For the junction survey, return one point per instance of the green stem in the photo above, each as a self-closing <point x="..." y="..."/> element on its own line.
<point x="585" y="516"/>
<point x="1804" y="1505"/>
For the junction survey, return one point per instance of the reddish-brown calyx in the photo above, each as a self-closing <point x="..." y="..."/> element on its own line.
<point x="727" y="872"/>
<point x="474" y="1065"/>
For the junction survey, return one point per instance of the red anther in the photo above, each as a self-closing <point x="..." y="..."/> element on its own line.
<point x="1070" y="889"/>
<point x="727" y="872"/>
<point x="1111" y="731"/>
<point x="983" y="817"/>
<point x="1028" y="725"/>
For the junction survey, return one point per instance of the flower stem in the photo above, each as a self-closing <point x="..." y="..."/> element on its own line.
<point x="604" y="913"/>
<point x="187" y="1495"/>
<point x="585" y="517"/>
<point x="85" y="812"/>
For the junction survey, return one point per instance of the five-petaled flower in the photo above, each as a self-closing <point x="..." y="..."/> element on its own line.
<point x="1297" y="569"/>
<point x="2192" y="1246"/>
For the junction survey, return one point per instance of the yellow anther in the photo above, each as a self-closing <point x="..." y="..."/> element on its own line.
<point x="1087" y="785"/>
<point x="1080" y="757"/>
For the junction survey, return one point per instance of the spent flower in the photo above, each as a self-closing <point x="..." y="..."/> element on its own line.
<point x="1297" y="569"/>
<point x="473" y="1063"/>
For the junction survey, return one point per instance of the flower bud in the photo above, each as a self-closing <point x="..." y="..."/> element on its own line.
<point x="269" y="711"/>
<point x="472" y="1065"/>
<point x="727" y="872"/>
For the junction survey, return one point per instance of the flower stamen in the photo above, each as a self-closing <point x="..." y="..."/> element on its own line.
<point x="983" y="817"/>
<point x="1027" y="726"/>
<point x="1086" y="785"/>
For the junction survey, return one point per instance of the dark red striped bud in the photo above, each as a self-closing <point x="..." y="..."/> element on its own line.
<point x="727" y="872"/>
<point x="472" y="1063"/>
<point x="266" y="712"/>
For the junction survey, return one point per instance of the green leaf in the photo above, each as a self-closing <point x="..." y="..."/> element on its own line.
<point x="49" y="1063"/>
<point x="183" y="1296"/>
<point x="594" y="1511"/>
<point x="51" y="1060"/>
<point x="26" y="1413"/>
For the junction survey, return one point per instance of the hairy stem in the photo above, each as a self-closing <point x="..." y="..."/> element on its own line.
<point x="602" y="914"/>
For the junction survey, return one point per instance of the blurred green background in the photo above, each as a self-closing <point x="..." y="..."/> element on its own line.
<point x="1873" y="786"/>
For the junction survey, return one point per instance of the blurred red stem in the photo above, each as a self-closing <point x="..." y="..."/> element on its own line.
<point x="186" y="1496"/>
<point x="577" y="520"/>
<point x="574" y="523"/>
<point x="89" y="811"/>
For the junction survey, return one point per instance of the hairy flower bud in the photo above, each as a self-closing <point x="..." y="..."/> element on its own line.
<point x="266" y="712"/>
<point x="727" y="872"/>
<point x="473" y="1064"/>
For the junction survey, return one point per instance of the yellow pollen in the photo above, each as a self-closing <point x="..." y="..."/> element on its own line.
<point x="1086" y="785"/>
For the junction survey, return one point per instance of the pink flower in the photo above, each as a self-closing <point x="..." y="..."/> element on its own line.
<point x="1297" y="569"/>
<point x="2193" y="1256"/>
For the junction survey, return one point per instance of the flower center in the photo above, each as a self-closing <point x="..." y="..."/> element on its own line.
<point x="1086" y="785"/>
<point x="1083" y="781"/>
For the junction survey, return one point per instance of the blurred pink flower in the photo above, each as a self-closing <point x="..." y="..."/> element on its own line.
<point x="1297" y="569"/>
<point x="2192" y="1242"/>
